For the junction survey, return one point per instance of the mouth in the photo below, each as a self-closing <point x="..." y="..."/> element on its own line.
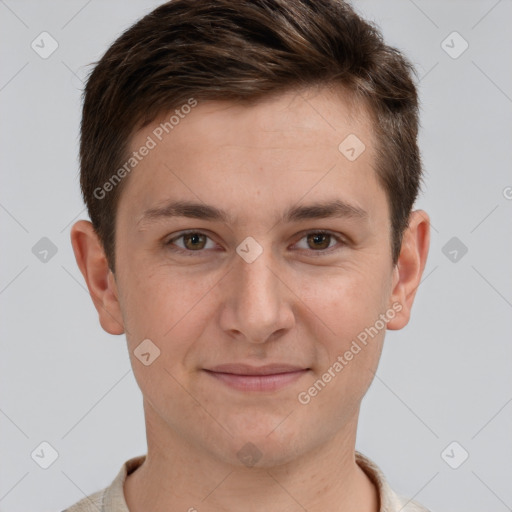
<point x="251" y="378"/>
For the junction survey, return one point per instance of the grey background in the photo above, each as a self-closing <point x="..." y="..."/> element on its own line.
<point x="446" y="377"/>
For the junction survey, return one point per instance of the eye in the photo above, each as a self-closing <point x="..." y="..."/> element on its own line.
<point x="320" y="241"/>
<point x="193" y="241"/>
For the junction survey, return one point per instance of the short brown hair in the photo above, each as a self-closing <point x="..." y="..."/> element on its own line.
<point x="244" y="50"/>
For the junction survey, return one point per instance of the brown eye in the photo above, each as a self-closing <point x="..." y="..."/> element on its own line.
<point x="190" y="243"/>
<point x="194" y="241"/>
<point x="319" y="240"/>
<point x="320" y="243"/>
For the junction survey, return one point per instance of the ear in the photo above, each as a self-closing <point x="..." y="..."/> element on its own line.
<point x="100" y="280"/>
<point x="409" y="268"/>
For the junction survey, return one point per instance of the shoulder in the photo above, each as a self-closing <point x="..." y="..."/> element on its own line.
<point x="407" y="505"/>
<point x="91" y="503"/>
<point x="390" y="501"/>
<point x="110" y="499"/>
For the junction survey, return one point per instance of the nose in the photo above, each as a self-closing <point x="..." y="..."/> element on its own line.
<point x="257" y="305"/>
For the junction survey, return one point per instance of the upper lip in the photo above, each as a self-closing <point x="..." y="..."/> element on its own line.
<point x="245" y="369"/>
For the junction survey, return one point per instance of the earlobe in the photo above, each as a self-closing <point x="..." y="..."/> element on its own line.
<point x="409" y="269"/>
<point x="91" y="260"/>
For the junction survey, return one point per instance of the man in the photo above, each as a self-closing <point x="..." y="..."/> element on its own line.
<point x="250" y="169"/>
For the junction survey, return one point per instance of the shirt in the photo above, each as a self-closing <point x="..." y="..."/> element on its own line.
<point x="111" y="499"/>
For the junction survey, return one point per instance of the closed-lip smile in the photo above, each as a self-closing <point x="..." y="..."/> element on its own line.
<point x="245" y="377"/>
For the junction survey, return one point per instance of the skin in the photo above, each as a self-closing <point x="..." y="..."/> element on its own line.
<point x="292" y="304"/>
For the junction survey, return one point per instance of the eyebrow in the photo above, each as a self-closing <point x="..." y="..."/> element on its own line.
<point x="335" y="208"/>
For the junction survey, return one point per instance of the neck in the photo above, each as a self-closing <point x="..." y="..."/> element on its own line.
<point x="178" y="476"/>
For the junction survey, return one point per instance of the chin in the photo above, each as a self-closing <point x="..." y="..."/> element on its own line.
<point x="263" y="444"/>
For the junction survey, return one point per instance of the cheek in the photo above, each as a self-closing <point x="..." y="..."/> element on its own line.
<point x="158" y="299"/>
<point x="348" y="301"/>
<point x="349" y="344"/>
<point x="171" y="310"/>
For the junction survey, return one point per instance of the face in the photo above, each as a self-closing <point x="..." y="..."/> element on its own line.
<point x="268" y="300"/>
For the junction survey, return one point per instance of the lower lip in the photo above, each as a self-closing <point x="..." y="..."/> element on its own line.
<point x="258" y="382"/>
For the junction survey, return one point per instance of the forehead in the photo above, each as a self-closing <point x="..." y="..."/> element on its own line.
<point x="289" y="144"/>
<point x="294" y="118"/>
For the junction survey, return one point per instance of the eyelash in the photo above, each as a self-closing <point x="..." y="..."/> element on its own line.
<point x="321" y="252"/>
